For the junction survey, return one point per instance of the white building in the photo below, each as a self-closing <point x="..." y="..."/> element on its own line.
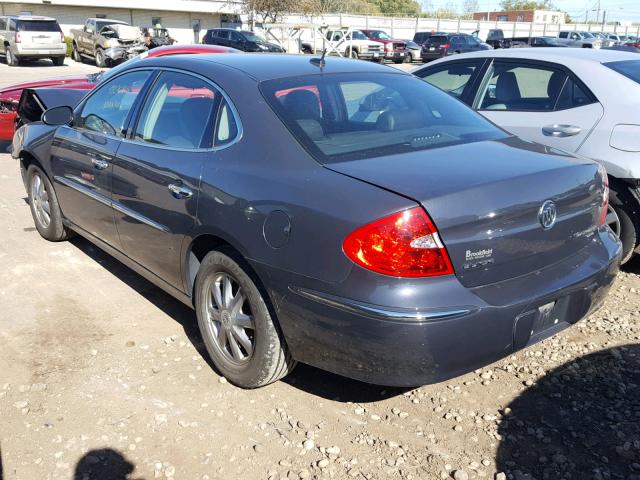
<point x="179" y="16"/>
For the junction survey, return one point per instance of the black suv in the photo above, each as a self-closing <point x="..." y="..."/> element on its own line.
<point x="240" y="39"/>
<point x="438" y="46"/>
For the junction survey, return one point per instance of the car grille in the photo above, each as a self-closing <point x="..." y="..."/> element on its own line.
<point x="372" y="49"/>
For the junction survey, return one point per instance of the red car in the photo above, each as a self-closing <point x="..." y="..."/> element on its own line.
<point x="10" y="96"/>
<point x="395" y="50"/>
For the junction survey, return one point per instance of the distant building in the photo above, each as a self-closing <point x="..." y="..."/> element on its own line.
<point x="535" y="16"/>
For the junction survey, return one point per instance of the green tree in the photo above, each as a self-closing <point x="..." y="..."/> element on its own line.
<point x="409" y="8"/>
<point x="525" y="5"/>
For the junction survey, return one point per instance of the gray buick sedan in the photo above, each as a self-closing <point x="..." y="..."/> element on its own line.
<point x="327" y="211"/>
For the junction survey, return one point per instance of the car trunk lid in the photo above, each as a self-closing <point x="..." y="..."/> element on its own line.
<point x="485" y="199"/>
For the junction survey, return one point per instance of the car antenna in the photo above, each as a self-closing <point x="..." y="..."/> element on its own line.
<point x="320" y="61"/>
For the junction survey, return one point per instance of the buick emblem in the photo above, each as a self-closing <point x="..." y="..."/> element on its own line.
<point x="547" y="214"/>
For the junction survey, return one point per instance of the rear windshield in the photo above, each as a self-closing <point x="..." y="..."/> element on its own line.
<point x="339" y="117"/>
<point x="628" y="68"/>
<point x="437" y="39"/>
<point x="38" y="26"/>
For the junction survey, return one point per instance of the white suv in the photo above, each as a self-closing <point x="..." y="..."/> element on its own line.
<point x="30" y="37"/>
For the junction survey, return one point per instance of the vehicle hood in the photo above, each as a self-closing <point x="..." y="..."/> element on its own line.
<point x="125" y="32"/>
<point x="14" y="91"/>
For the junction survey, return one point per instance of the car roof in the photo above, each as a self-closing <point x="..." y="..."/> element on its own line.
<point x="261" y="66"/>
<point x="36" y="18"/>
<point x="563" y="55"/>
<point x="111" y="20"/>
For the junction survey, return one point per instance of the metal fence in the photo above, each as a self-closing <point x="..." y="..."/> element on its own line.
<point x="399" y="27"/>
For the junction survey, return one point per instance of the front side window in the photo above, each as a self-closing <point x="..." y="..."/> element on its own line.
<point x="515" y="87"/>
<point x="223" y="34"/>
<point x="107" y="109"/>
<point x="178" y="112"/>
<point x="341" y="117"/>
<point x="452" y="78"/>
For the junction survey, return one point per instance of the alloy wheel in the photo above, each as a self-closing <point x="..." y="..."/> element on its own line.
<point x="230" y="320"/>
<point x="40" y="199"/>
<point x="613" y="221"/>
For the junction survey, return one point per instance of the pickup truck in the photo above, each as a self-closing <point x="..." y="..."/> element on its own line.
<point x="108" y="42"/>
<point x="493" y="37"/>
<point x="394" y="49"/>
<point x="350" y="43"/>
<point x="579" y="39"/>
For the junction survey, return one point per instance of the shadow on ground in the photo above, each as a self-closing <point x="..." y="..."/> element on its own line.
<point x="632" y="266"/>
<point x="580" y="421"/>
<point x="103" y="464"/>
<point x="309" y="379"/>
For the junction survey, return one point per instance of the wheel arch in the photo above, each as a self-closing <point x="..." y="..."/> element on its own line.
<point x="199" y="245"/>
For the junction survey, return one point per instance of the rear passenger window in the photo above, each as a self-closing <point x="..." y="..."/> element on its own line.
<point x="573" y="96"/>
<point x="523" y="88"/>
<point x="3" y="24"/>
<point x="178" y="112"/>
<point x="227" y="128"/>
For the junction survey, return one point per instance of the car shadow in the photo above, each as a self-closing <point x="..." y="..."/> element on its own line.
<point x="632" y="266"/>
<point x="309" y="379"/>
<point x="103" y="464"/>
<point x="581" y="420"/>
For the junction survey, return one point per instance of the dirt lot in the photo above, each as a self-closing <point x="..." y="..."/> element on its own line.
<point x="105" y="377"/>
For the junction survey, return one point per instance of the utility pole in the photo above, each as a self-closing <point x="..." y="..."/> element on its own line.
<point x="598" y="13"/>
<point x="604" y="18"/>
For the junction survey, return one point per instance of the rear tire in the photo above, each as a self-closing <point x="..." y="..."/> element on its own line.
<point x="398" y="60"/>
<point x="45" y="209"/>
<point x="12" y="60"/>
<point x="58" y="61"/>
<point x="624" y="215"/>
<point x="237" y="327"/>
<point x="75" y="54"/>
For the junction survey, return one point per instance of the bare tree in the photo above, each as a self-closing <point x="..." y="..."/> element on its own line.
<point x="470" y="7"/>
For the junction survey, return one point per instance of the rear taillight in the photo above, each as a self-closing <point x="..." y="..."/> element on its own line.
<point x="605" y="195"/>
<point x="61" y="37"/>
<point x="18" y="39"/>
<point x="388" y="47"/>
<point x="445" y="46"/>
<point x="405" y="244"/>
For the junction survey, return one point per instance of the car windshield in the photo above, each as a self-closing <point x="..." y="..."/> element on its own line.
<point x="587" y="35"/>
<point x="437" y="39"/>
<point x="628" y="68"/>
<point x="38" y="26"/>
<point x="339" y="117"/>
<point x="101" y="25"/>
<point x="379" y="35"/>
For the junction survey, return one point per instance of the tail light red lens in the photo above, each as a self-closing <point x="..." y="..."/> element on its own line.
<point x="605" y="196"/>
<point x="388" y="47"/>
<point x="18" y="39"/>
<point x="61" y="37"/>
<point x="445" y="46"/>
<point x="405" y="244"/>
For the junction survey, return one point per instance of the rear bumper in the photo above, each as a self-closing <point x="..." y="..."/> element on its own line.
<point x="450" y="331"/>
<point x="58" y="50"/>
<point x="427" y="56"/>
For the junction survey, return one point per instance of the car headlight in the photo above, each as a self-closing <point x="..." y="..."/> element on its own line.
<point x="263" y="47"/>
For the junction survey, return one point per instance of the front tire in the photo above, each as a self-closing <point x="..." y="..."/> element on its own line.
<point x="237" y="327"/>
<point x="100" y="59"/>
<point x="45" y="209"/>
<point x="75" y="54"/>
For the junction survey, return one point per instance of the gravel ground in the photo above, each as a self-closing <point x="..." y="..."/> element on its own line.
<point x="105" y="377"/>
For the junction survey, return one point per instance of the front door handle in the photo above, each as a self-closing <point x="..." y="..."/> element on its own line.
<point x="99" y="164"/>
<point x="179" y="191"/>
<point x="560" y="131"/>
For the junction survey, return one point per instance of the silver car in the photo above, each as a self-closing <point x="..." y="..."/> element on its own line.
<point x="31" y="37"/>
<point x="578" y="100"/>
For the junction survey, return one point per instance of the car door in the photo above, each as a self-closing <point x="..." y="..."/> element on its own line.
<point x="86" y="39"/>
<point x="539" y="101"/>
<point x="236" y="40"/>
<point x="458" y="78"/>
<point x="3" y="28"/>
<point x="82" y="154"/>
<point x="222" y="38"/>
<point x="156" y="176"/>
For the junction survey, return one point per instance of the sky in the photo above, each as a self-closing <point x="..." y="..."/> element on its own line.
<point x="617" y="10"/>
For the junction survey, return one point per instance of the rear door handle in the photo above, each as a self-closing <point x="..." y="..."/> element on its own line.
<point x="178" y="191"/>
<point x="561" y="131"/>
<point x="99" y="164"/>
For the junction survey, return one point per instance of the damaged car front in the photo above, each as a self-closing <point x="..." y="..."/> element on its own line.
<point x="121" y="42"/>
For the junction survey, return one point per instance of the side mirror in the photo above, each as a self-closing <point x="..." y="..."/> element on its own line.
<point x="58" y="116"/>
